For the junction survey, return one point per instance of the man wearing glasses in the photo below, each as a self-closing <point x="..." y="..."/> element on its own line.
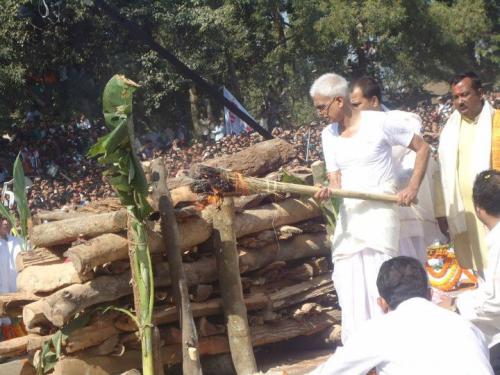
<point x="357" y="148"/>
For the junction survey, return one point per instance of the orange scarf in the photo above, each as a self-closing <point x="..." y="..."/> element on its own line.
<point x="495" y="141"/>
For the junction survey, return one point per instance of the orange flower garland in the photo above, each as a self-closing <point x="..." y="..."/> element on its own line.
<point x="447" y="277"/>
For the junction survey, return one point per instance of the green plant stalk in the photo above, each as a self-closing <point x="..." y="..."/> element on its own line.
<point x="21" y="199"/>
<point x="141" y="261"/>
<point x="127" y="177"/>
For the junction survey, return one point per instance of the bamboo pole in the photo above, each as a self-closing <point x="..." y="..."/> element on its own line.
<point x="235" y="310"/>
<point x="170" y="233"/>
<point x="259" y="185"/>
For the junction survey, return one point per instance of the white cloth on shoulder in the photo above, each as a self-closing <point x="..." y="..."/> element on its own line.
<point x="448" y="159"/>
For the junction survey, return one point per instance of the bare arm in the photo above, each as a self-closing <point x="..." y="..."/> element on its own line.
<point x="421" y="148"/>
<point x="334" y="182"/>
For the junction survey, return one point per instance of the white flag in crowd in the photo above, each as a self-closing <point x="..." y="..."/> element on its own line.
<point x="233" y="124"/>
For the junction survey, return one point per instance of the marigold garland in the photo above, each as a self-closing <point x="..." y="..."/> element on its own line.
<point x="447" y="277"/>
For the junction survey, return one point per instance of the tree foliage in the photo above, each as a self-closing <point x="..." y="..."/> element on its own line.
<point x="267" y="52"/>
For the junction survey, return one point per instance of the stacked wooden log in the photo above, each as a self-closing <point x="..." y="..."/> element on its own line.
<point x="79" y="264"/>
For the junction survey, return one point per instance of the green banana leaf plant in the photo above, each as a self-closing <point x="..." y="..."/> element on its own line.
<point x="116" y="151"/>
<point x="21" y="199"/>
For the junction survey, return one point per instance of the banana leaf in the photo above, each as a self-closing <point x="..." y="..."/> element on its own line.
<point x="20" y="196"/>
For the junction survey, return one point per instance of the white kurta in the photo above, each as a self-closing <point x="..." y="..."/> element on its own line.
<point x="417" y="338"/>
<point x="482" y="305"/>
<point x="9" y="248"/>
<point x="365" y="163"/>
<point x="367" y="233"/>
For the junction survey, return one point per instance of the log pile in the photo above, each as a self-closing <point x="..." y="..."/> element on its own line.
<point x="79" y="264"/>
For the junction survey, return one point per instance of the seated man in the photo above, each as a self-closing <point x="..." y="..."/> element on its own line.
<point x="482" y="305"/>
<point x="414" y="336"/>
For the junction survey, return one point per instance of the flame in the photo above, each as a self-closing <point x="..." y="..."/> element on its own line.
<point x="240" y="184"/>
<point x="215" y="198"/>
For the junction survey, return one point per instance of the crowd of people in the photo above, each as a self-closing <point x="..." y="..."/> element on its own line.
<point x="54" y="160"/>
<point x="54" y="155"/>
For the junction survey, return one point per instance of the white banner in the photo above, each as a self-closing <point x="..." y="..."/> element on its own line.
<point x="232" y="123"/>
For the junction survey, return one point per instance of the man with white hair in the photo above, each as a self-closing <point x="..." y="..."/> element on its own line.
<point x="357" y="148"/>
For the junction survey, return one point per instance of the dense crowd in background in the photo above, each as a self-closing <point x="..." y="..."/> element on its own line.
<point x="60" y="175"/>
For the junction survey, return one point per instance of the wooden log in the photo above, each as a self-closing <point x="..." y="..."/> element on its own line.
<point x="200" y="272"/>
<point x="84" y="364"/>
<point x="274" y="215"/>
<point x="206" y="328"/>
<point x="100" y="329"/>
<point x="204" y="270"/>
<point x="201" y="292"/>
<point x="47" y="278"/>
<point x="258" y="159"/>
<point x="192" y="232"/>
<point x="261" y="335"/>
<point x="182" y="194"/>
<point x="39" y="256"/>
<point x="301" y="246"/>
<point x="170" y="233"/>
<point x="14" y="347"/>
<point x="33" y="316"/>
<point x="46" y="216"/>
<point x="11" y="304"/>
<point x="61" y="306"/>
<point x="107" y="347"/>
<point x="284" y="297"/>
<point x="17" y="367"/>
<point x="67" y="231"/>
<point x="235" y="311"/>
<point x="35" y="342"/>
<point x="106" y="248"/>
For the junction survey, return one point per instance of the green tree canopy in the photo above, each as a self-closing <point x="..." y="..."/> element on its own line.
<point x="267" y="52"/>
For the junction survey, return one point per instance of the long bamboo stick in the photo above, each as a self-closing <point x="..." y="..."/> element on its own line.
<point x="258" y="185"/>
<point x="262" y="185"/>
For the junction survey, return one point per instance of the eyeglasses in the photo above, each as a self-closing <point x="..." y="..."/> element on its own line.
<point x="325" y="107"/>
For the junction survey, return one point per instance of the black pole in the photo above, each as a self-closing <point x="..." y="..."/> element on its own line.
<point x="137" y="32"/>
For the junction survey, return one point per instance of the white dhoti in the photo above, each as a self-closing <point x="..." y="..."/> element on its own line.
<point x="419" y="227"/>
<point x="366" y="235"/>
<point x="355" y="280"/>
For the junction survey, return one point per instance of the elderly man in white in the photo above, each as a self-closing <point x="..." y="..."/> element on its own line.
<point x="357" y="147"/>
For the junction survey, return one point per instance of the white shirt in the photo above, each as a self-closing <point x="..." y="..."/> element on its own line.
<point x="365" y="159"/>
<point x="9" y="249"/>
<point x="482" y="305"/>
<point x="365" y="163"/>
<point x="415" y="339"/>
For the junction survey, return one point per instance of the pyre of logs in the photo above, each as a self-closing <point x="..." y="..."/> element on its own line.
<point x="79" y="264"/>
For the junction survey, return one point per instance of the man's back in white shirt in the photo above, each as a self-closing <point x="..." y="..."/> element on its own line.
<point x="417" y="338"/>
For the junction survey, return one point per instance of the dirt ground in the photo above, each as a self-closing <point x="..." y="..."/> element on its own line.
<point x="294" y="362"/>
